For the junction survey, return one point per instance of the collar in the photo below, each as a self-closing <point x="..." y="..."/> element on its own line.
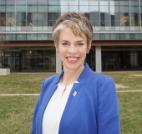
<point x="84" y="74"/>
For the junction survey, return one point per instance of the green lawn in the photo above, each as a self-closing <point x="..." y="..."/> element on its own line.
<point x="22" y="82"/>
<point x="16" y="112"/>
<point x="130" y="80"/>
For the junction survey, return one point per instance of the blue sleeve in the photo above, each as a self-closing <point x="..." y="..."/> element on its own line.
<point x="108" y="110"/>
<point x="36" y="109"/>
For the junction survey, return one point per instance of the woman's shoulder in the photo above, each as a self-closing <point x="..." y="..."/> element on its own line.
<point x="104" y="84"/>
<point x="101" y="76"/>
<point x="49" y="82"/>
<point x="95" y="76"/>
<point x="52" y="78"/>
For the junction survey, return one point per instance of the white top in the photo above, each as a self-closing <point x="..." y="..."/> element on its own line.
<point x="55" y="108"/>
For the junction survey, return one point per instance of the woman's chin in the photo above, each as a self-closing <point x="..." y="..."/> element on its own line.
<point x="72" y="67"/>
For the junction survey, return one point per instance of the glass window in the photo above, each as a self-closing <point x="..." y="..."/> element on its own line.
<point x="112" y="20"/>
<point x="10" y="9"/>
<point x="132" y="36"/>
<point x="141" y="18"/>
<point x="32" y="2"/>
<point x="93" y="8"/>
<point x="2" y="2"/>
<point x="124" y="9"/>
<point x="104" y="36"/>
<point x="112" y="37"/>
<point x="137" y="36"/>
<point x="31" y="36"/>
<point x="63" y="2"/>
<point x="21" y="19"/>
<point x="104" y="2"/>
<point x="20" y="8"/>
<point x="49" y="36"/>
<point x="74" y="2"/>
<point x="116" y="15"/>
<point x="104" y="16"/>
<point x="102" y="19"/>
<point x="56" y="2"/>
<point x="104" y="9"/>
<point x="42" y="36"/>
<point x="54" y="8"/>
<point x="85" y="3"/>
<point x="42" y="9"/>
<point x="135" y="18"/>
<point x="29" y="19"/>
<point x="41" y="19"/>
<point x="83" y="9"/>
<point x="124" y="2"/>
<point x="94" y="18"/>
<point x="122" y="36"/>
<point x="31" y="8"/>
<point x="113" y="2"/>
<point x="2" y="19"/>
<point x="44" y="2"/>
<point x="64" y="9"/>
<point x="124" y="19"/>
<point x="127" y="36"/>
<point x="10" y="37"/>
<point x="21" y="37"/>
<point x="10" y="19"/>
<point x="73" y="9"/>
<point x="124" y="16"/>
<point x="2" y="9"/>
<point x="96" y="36"/>
<point x="135" y="3"/>
<point x="21" y="2"/>
<point x="52" y="17"/>
<point x="91" y="3"/>
<point x="10" y="2"/>
<point x="2" y="37"/>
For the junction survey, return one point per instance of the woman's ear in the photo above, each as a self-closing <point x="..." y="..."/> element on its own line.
<point x="89" y="47"/>
<point x="55" y="44"/>
<point x="56" y="47"/>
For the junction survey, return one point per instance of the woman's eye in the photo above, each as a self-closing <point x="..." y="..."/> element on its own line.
<point x="80" y="44"/>
<point x="64" y="44"/>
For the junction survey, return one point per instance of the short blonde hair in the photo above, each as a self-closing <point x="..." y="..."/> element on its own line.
<point x="78" y="23"/>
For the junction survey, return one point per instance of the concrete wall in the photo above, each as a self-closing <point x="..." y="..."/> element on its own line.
<point x="4" y="71"/>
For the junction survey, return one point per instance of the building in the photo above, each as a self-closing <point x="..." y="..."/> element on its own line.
<point x="26" y="33"/>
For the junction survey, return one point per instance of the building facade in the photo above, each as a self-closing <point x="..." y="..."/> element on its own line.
<point x="26" y="33"/>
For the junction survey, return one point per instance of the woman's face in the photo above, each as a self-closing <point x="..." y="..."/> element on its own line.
<point x="72" y="50"/>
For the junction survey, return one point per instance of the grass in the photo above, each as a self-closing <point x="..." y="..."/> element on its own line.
<point x="22" y="82"/>
<point x="131" y="80"/>
<point x="16" y="112"/>
<point x="131" y="113"/>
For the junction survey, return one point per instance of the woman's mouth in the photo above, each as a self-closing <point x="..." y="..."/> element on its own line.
<point x="72" y="59"/>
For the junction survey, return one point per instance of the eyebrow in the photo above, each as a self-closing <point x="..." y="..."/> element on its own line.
<point x="81" y="41"/>
<point x="75" y="41"/>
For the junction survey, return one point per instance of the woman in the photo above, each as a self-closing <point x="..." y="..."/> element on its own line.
<point x="77" y="101"/>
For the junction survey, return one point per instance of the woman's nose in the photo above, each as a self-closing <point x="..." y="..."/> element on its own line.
<point x="72" y="49"/>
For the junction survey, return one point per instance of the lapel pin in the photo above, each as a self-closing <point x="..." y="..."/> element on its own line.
<point x="74" y="93"/>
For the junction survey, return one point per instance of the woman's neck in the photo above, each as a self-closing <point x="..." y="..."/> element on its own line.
<point x="71" y="76"/>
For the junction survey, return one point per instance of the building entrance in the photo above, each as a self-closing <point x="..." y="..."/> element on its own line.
<point x="29" y="60"/>
<point x="121" y="58"/>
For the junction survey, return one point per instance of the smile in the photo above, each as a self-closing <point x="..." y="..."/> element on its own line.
<point x="72" y="59"/>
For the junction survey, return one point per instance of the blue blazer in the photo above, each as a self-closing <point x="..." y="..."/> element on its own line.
<point x="92" y="107"/>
